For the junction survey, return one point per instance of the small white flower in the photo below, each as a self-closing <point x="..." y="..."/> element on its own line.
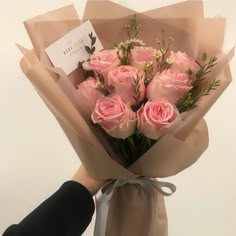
<point x="159" y="54"/>
<point x="135" y="41"/>
<point x="149" y="67"/>
<point x="170" y="60"/>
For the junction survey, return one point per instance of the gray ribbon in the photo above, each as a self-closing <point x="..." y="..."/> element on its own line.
<point x="103" y="198"/>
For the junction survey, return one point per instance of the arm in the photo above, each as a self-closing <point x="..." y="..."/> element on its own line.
<point x="67" y="212"/>
<point x="92" y="184"/>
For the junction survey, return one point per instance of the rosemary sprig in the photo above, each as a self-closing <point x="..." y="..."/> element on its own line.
<point x="212" y="86"/>
<point x="187" y="102"/>
<point x="136" y="89"/>
<point x="137" y="94"/>
<point x="205" y="68"/>
<point x="102" y="86"/>
<point x="190" y="99"/>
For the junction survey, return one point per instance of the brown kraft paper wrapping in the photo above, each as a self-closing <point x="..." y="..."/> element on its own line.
<point x="134" y="211"/>
<point x="175" y="151"/>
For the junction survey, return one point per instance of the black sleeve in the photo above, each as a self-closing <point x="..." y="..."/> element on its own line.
<point x="67" y="212"/>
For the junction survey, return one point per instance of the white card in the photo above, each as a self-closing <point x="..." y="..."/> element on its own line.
<point x="69" y="50"/>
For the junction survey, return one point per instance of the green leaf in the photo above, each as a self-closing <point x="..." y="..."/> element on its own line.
<point x="101" y="78"/>
<point x="90" y="35"/>
<point x="204" y="56"/>
<point x="80" y="64"/>
<point x="93" y="40"/>
<point x="102" y="90"/>
<point x="88" y="50"/>
<point x="89" y="73"/>
<point x="93" y="49"/>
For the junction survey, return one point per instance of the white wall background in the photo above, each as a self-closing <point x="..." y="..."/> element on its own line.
<point x="36" y="158"/>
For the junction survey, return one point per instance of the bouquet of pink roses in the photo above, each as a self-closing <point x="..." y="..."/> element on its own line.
<point x="136" y="93"/>
<point x="131" y="112"/>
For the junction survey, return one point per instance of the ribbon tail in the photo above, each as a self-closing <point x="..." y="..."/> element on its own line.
<point x="102" y="207"/>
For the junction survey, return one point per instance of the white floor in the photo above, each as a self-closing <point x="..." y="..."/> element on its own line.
<point x="36" y="158"/>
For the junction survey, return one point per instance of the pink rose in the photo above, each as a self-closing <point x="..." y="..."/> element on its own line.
<point x="115" y="117"/>
<point x="182" y="63"/>
<point x="102" y="62"/>
<point x="168" y="85"/>
<point x="87" y="95"/>
<point x="121" y="79"/>
<point x="140" y="56"/>
<point x="154" y="118"/>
